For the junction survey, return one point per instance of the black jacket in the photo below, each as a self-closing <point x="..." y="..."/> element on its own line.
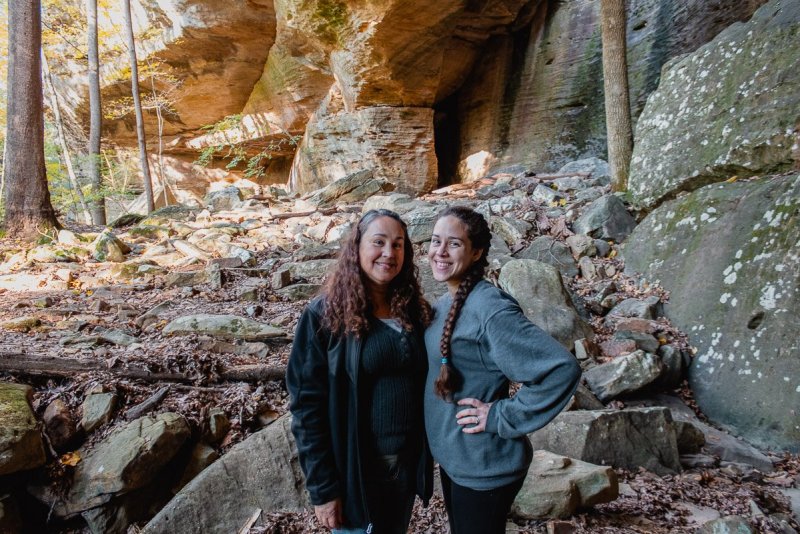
<point x="322" y="379"/>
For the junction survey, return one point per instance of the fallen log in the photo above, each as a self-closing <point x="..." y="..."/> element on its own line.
<point x="56" y="367"/>
<point x="548" y="177"/>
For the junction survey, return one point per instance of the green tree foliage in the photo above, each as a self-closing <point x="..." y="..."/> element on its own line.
<point x="240" y="155"/>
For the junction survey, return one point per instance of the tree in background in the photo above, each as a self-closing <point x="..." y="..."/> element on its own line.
<point x="617" y="100"/>
<point x="3" y="96"/>
<point x="28" y="209"/>
<point x="55" y="108"/>
<point x="137" y="106"/>
<point x="95" y="117"/>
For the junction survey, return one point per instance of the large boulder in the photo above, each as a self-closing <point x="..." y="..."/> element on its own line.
<point x="126" y="460"/>
<point x="21" y="444"/>
<point x="716" y="442"/>
<point x="548" y="250"/>
<point x="355" y="187"/>
<point x="260" y="473"/>
<point x="108" y="247"/>
<point x="630" y="438"/>
<point x="222" y="326"/>
<point x="743" y="89"/>
<point x="625" y="374"/>
<point x="539" y="290"/>
<point x="227" y="198"/>
<point x="420" y="223"/>
<point x="557" y="486"/>
<point x="728" y="255"/>
<point x="605" y="218"/>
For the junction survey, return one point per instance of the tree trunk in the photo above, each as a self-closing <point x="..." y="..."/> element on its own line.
<point x="95" y="117"/>
<point x="137" y="106"/>
<point x="617" y="100"/>
<point x="28" y="209"/>
<point x="160" y="118"/>
<point x="62" y="140"/>
<point x="5" y="160"/>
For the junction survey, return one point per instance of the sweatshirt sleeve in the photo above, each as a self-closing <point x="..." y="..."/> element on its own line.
<point x="524" y="353"/>
<point x="307" y="382"/>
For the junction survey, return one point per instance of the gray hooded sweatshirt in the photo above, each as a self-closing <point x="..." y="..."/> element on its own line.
<point x="493" y="342"/>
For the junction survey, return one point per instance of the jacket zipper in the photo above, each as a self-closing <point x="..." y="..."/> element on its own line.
<point x="357" y="356"/>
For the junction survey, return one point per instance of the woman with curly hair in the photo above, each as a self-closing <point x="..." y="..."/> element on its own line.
<point x="355" y="377"/>
<point x="478" y="341"/>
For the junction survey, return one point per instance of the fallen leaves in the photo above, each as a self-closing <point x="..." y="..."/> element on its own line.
<point x="71" y="459"/>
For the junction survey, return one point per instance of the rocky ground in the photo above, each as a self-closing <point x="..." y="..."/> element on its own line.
<point x="177" y="327"/>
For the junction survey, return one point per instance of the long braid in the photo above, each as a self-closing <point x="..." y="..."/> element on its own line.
<point x="449" y="380"/>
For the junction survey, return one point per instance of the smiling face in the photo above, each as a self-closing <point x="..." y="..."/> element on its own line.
<point x="381" y="251"/>
<point x="451" y="253"/>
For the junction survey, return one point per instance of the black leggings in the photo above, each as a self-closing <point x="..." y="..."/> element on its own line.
<point x="478" y="512"/>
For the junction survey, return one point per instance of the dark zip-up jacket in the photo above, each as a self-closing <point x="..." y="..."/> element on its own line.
<point x="322" y="379"/>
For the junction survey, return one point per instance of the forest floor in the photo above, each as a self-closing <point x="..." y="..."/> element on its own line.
<point x="648" y="503"/>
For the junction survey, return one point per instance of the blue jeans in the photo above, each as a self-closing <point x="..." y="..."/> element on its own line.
<point x="389" y="489"/>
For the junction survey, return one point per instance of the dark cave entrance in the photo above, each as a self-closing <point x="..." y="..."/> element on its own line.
<point x="447" y="139"/>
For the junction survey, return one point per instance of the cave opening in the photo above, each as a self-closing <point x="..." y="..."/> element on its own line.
<point x="447" y="139"/>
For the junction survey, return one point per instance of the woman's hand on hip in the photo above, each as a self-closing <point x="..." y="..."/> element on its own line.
<point x="330" y="513"/>
<point x="473" y="416"/>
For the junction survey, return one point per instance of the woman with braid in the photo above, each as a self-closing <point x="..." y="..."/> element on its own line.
<point x="355" y="378"/>
<point x="478" y="341"/>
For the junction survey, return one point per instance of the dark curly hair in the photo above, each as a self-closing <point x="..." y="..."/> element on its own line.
<point x="347" y="305"/>
<point x="480" y="237"/>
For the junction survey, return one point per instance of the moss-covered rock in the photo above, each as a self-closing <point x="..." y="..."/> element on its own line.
<point x="127" y="220"/>
<point x="150" y="231"/>
<point x="129" y="458"/>
<point x="728" y="254"/>
<point x="162" y="216"/>
<point x="55" y="254"/>
<point x="21" y="445"/>
<point x="21" y="324"/>
<point x="730" y="108"/>
<point x="108" y="247"/>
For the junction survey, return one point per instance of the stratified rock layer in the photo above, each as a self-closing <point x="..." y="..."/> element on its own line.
<point x="730" y="108"/>
<point x="397" y="142"/>
<point x="729" y="256"/>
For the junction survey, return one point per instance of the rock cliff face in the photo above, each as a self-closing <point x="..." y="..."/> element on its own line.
<point x="536" y="96"/>
<point x="743" y="90"/>
<point x="727" y="253"/>
<point x="422" y="93"/>
<point x="728" y="250"/>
